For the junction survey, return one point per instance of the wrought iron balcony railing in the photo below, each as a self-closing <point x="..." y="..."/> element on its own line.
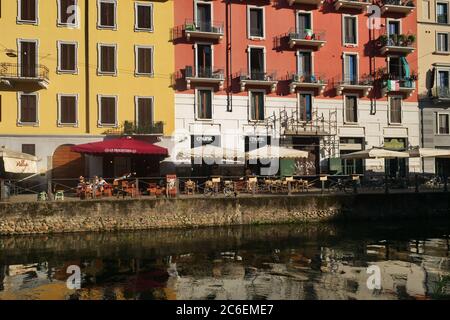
<point x="206" y="29"/>
<point x="397" y="43"/>
<point x="17" y="71"/>
<point x="204" y="72"/>
<point x="258" y="75"/>
<point x="307" y="37"/>
<point x="307" y="78"/>
<point x="137" y="128"/>
<point x="441" y="92"/>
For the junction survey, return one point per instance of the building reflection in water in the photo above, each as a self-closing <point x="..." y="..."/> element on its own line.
<point x="277" y="262"/>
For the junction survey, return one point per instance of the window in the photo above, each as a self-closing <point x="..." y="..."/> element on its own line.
<point x="144" y="17"/>
<point x="67" y="109"/>
<point x="303" y="23"/>
<point x="28" y="11"/>
<point x="442" y="123"/>
<point x="351" y="109"/>
<point x="107" y="14"/>
<point x="442" y="42"/>
<point x="350" y="69"/>
<point x="203" y="19"/>
<point x="305" y="106"/>
<point x="28" y="108"/>
<point x="107" y="111"/>
<point x="144" y="60"/>
<point x="395" y="110"/>
<point x="426" y="10"/>
<point x="398" y="68"/>
<point x="257" y="64"/>
<point x="107" y="59"/>
<point x="67" y="13"/>
<point x="304" y="65"/>
<point x="144" y="112"/>
<point x="393" y="27"/>
<point x="67" y="59"/>
<point x="204" y="61"/>
<point x="443" y="83"/>
<point x="29" y="149"/>
<point x="256" y="106"/>
<point x="204" y="104"/>
<point x="256" y="22"/>
<point x="350" y="30"/>
<point x="442" y="12"/>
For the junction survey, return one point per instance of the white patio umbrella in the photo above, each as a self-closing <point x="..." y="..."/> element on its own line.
<point x="429" y="153"/>
<point x="375" y="153"/>
<point x="275" y="152"/>
<point x="211" y="152"/>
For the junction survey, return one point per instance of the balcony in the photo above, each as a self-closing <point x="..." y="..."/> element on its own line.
<point x="204" y="75"/>
<point x="401" y="85"/>
<point x="306" y="38"/>
<point x="134" y="128"/>
<point x="441" y="93"/>
<point x="203" y="30"/>
<point x="14" y="73"/>
<point x="360" y="5"/>
<point x="258" y="79"/>
<point x="397" y="44"/>
<point x="363" y="84"/>
<point x="307" y="81"/>
<point x="403" y="7"/>
<point x="316" y="3"/>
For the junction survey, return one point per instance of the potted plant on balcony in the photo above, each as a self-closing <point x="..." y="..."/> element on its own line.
<point x="402" y="40"/>
<point x="411" y="39"/>
<point x="383" y="40"/>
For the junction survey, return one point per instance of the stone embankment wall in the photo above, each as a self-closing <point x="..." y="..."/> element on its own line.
<point x="135" y="214"/>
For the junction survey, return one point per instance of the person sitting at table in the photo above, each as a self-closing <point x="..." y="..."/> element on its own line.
<point x="102" y="184"/>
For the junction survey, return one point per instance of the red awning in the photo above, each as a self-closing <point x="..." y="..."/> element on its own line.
<point x="122" y="146"/>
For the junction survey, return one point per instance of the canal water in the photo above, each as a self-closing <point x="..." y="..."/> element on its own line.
<point x="317" y="261"/>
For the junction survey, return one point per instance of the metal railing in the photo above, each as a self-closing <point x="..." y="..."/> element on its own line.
<point x="397" y="40"/>
<point x="313" y="34"/>
<point x="441" y="92"/>
<point x="226" y="186"/>
<point x="204" y="72"/>
<point x="406" y="3"/>
<point x="18" y="71"/>
<point x="364" y="80"/>
<point x="131" y="127"/>
<point x="404" y="82"/>
<point x="192" y="25"/>
<point x="306" y="77"/>
<point x="258" y="75"/>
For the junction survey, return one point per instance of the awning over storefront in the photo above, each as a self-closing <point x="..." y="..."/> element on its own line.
<point x="274" y="152"/>
<point x="18" y="162"/>
<point x="429" y="153"/>
<point x="375" y="153"/>
<point x="121" y="146"/>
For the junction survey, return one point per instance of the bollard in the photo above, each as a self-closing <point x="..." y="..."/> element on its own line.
<point x="49" y="190"/>
<point x="136" y="187"/>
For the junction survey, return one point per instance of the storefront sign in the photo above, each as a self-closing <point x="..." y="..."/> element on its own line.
<point x="203" y="140"/>
<point x="395" y="143"/>
<point x="14" y="165"/>
<point x="256" y="142"/>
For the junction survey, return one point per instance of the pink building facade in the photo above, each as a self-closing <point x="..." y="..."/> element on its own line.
<point x="307" y="74"/>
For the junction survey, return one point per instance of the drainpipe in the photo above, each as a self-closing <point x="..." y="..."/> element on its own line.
<point x="86" y="65"/>
<point x="228" y="55"/>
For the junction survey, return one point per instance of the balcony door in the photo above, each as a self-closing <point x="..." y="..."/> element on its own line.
<point x="203" y="16"/>
<point x="28" y="58"/>
<point x="304" y="65"/>
<point x="204" y="61"/>
<point x="257" y="69"/>
<point x="443" y="83"/>
<point x="350" y="69"/>
<point x="303" y="23"/>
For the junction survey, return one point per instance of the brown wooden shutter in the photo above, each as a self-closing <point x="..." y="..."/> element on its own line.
<point x="68" y="110"/>
<point x="28" y="10"/>
<point x="68" y="52"/>
<point x="108" y="61"/>
<point x="28" y="108"/>
<point x="145" y="112"/>
<point x="108" y="110"/>
<point x="64" y="13"/>
<point x="107" y="14"/>
<point x="145" y="61"/>
<point x="144" y="17"/>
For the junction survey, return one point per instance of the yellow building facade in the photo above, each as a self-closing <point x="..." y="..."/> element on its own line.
<point x="74" y="71"/>
<point x="433" y="27"/>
